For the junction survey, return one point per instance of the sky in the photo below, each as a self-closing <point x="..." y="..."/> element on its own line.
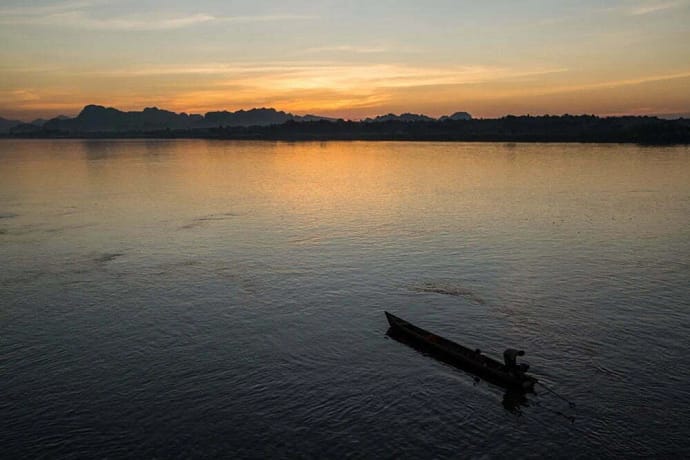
<point x="348" y="59"/>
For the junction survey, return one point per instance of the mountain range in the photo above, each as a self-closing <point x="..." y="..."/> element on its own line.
<point x="414" y="117"/>
<point x="269" y="124"/>
<point x="96" y="118"/>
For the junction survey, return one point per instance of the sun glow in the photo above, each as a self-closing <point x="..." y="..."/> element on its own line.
<point x="346" y="62"/>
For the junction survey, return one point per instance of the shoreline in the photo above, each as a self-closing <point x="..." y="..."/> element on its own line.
<point x="579" y="129"/>
<point x="488" y="140"/>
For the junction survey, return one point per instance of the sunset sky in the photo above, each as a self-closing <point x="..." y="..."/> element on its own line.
<point x="344" y="58"/>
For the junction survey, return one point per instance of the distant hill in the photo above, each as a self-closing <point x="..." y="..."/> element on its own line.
<point x="43" y="121"/>
<point x="96" y="118"/>
<point x="6" y="125"/>
<point x="26" y="129"/>
<point x="406" y="117"/>
<point x="255" y="117"/>
<point x="414" y="118"/>
<point x="456" y="116"/>
<point x="100" y="119"/>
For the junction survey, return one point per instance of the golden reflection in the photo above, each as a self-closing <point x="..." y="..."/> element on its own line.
<point x="382" y="187"/>
<point x="386" y="185"/>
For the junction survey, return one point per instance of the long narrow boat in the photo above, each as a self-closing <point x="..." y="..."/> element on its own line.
<point x="470" y="360"/>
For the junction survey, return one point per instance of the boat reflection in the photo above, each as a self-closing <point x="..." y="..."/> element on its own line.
<point x="514" y="400"/>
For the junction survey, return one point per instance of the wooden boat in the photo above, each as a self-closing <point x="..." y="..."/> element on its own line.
<point x="470" y="360"/>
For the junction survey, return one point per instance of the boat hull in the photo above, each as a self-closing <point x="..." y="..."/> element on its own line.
<point x="457" y="355"/>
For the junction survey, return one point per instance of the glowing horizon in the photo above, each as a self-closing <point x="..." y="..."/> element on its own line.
<point x="349" y="61"/>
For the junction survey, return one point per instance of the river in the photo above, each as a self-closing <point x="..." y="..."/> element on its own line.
<point x="178" y="299"/>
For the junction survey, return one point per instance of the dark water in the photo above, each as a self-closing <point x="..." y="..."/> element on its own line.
<point x="225" y="299"/>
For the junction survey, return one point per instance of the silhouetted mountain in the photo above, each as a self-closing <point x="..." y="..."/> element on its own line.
<point x="255" y="117"/>
<point x="310" y="117"/>
<point x="258" y="117"/>
<point x="24" y="129"/>
<point x="96" y="118"/>
<point x="456" y="116"/>
<point x="6" y="125"/>
<point x="414" y="117"/>
<point x="43" y="121"/>
<point x="406" y="117"/>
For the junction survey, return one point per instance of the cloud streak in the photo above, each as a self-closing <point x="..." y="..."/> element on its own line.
<point x="31" y="11"/>
<point x="74" y="15"/>
<point x="345" y="49"/>
<point x="332" y="74"/>
<point x="618" y="83"/>
<point x="648" y="8"/>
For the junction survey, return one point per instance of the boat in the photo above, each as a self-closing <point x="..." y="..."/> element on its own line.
<point x="459" y="356"/>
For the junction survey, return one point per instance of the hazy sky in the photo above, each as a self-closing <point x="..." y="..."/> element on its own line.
<point x="346" y="58"/>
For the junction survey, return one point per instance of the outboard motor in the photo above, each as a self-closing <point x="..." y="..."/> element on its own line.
<point x="510" y="357"/>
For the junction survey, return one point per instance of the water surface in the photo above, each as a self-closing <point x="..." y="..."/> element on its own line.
<point x="189" y="298"/>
